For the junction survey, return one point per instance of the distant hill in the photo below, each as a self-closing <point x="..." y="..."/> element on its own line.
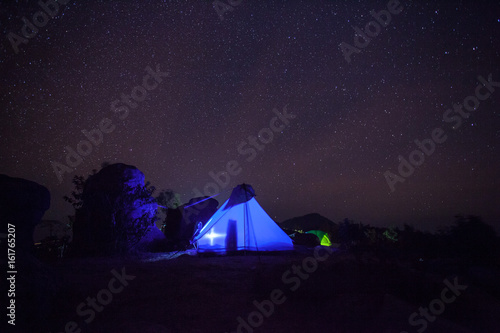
<point x="308" y="222"/>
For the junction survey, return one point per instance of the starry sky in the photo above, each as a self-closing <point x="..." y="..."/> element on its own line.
<point x="226" y="71"/>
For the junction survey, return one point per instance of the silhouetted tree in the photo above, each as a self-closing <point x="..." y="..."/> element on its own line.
<point x="75" y="198"/>
<point x="167" y="200"/>
<point x="350" y="234"/>
<point x="472" y="240"/>
<point x="126" y="232"/>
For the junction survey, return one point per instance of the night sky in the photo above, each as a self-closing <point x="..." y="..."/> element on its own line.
<point x="220" y="81"/>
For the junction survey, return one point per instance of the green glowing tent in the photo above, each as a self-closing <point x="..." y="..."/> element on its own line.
<point x="323" y="237"/>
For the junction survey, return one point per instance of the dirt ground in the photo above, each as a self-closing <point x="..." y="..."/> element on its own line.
<point x="294" y="292"/>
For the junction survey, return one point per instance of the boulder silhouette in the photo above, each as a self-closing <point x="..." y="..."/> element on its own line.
<point x="22" y="205"/>
<point x="112" y="202"/>
<point x="181" y="222"/>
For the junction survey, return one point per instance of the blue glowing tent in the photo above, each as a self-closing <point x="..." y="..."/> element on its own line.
<point x="241" y="224"/>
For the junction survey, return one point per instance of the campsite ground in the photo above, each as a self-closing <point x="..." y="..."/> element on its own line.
<point x="208" y="294"/>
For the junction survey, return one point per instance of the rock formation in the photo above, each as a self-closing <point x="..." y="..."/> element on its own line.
<point x="117" y="211"/>
<point x="22" y="206"/>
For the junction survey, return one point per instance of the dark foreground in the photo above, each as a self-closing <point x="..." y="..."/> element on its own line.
<point x="332" y="292"/>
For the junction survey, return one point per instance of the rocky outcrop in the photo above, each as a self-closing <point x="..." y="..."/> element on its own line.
<point x="117" y="211"/>
<point x="180" y="223"/>
<point x="23" y="204"/>
<point x="196" y="211"/>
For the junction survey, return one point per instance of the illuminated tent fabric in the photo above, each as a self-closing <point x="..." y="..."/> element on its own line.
<point x="241" y="224"/>
<point x="323" y="237"/>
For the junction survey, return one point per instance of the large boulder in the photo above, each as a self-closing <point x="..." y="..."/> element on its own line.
<point x="172" y="224"/>
<point x="23" y="204"/>
<point x="197" y="210"/>
<point x="114" y="200"/>
<point x="181" y="222"/>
